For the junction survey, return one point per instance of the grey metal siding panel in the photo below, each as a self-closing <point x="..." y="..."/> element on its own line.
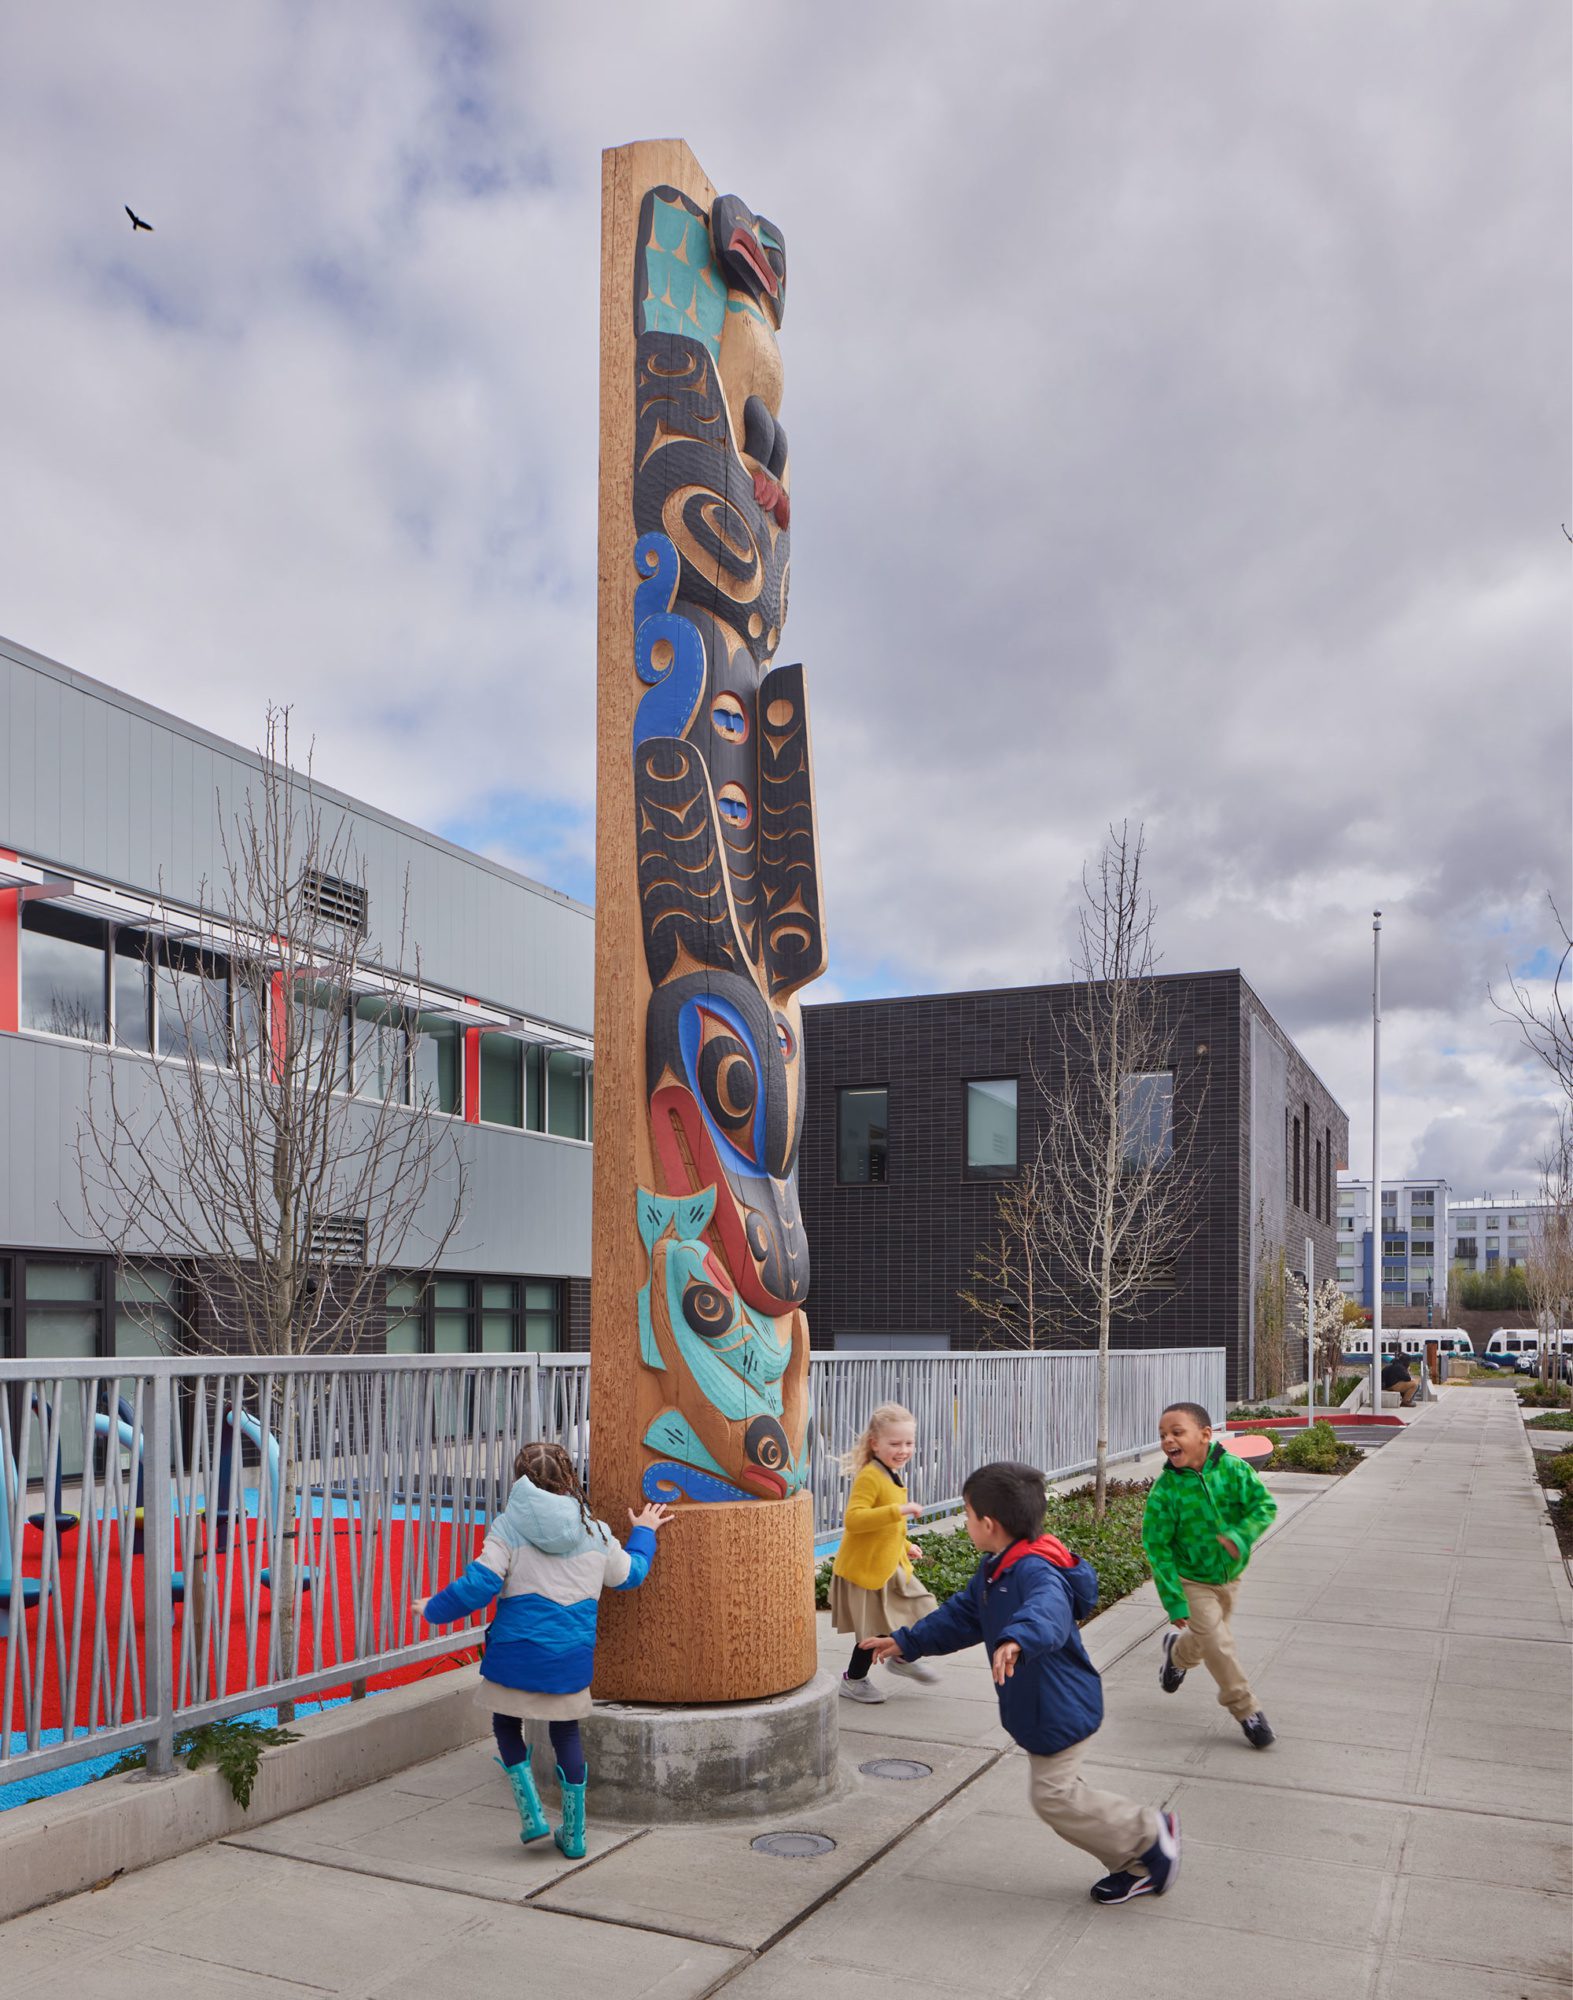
<point x="528" y="1198"/>
<point x="153" y="826"/>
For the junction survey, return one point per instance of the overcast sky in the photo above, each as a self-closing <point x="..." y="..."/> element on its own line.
<point x="1180" y="426"/>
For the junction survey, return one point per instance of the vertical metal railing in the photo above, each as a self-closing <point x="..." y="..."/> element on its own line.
<point x="185" y="1540"/>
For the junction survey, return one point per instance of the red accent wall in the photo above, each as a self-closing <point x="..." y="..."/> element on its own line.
<point x="472" y="1076"/>
<point x="10" y="955"/>
<point x="278" y="1026"/>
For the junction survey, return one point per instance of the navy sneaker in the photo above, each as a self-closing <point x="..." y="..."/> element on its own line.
<point x="1162" y="1859"/>
<point x="1258" y="1731"/>
<point x="1169" y="1675"/>
<point x="1121" y="1887"/>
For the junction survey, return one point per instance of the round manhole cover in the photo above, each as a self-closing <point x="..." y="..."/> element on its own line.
<point x="896" y="1767"/>
<point x="793" y="1846"/>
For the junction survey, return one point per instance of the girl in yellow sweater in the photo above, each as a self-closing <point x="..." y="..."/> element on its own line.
<point x="872" y="1589"/>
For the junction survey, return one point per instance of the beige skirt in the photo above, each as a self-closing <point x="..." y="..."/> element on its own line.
<point x="875" y="1614"/>
<point x="528" y="1706"/>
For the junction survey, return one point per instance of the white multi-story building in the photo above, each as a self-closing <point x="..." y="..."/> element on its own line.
<point x="1415" y="1243"/>
<point x="1493" y="1232"/>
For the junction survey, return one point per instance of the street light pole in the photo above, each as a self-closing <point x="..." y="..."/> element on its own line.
<point x="1376" y="1160"/>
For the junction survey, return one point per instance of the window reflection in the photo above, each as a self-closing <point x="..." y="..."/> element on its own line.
<point x="63" y="973"/>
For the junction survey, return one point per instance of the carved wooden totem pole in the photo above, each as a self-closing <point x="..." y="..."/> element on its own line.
<point x="707" y="923"/>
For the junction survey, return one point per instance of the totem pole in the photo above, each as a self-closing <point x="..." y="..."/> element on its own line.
<point x="707" y="923"/>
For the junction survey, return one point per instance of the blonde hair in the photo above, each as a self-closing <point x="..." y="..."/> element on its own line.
<point x="885" y="1418"/>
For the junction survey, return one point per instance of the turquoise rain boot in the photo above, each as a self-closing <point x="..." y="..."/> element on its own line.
<point x="533" y="1823"/>
<point x="570" y="1835"/>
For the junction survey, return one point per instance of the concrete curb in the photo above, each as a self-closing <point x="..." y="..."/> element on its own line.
<point x="56" y="1846"/>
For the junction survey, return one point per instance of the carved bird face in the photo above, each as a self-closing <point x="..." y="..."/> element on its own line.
<point x="752" y="255"/>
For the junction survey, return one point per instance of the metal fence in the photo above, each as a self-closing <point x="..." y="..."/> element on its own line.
<point x="182" y="1541"/>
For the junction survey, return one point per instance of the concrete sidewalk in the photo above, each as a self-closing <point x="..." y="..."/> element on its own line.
<point x="1406" y="1629"/>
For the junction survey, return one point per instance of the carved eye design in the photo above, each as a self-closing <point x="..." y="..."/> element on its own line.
<point x="785" y="1037"/>
<point x="728" y="1080"/>
<point x="765" y="1444"/>
<point x="707" y="1310"/>
<point x="730" y="718"/>
<point x="732" y="804"/>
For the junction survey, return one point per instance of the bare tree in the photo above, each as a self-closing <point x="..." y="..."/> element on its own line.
<point x="1011" y="1291"/>
<point x="277" y="1147"/>
<point x="1119" y="1147"/>
<point x="1548" y="1270"/>
<point x="1546" y="1024"/>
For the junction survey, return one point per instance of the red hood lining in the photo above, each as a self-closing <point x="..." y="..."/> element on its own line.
<point x="1048" y="1546"/>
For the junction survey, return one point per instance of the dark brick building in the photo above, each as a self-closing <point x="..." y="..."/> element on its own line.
<point x="919" y="1108"/>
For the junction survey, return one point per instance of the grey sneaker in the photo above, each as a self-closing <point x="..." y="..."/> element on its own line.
<point x="913" y="1670"/>
<point x="863" y="1690"/>
<point x="1169" y="1675"/>
<point x="1258" y="1731"/>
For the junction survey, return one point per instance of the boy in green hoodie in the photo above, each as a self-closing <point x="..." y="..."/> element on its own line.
<point x="1206" y="1511"/>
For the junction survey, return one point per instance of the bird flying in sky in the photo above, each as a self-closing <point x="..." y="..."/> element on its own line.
<point x="137" y="222"/>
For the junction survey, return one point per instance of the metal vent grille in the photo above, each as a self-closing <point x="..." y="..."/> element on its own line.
<point x="335" y="900"/>
<point x="339" y="1239"/>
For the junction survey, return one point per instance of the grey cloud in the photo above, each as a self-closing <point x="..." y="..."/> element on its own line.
<point x="1178" y="403"/>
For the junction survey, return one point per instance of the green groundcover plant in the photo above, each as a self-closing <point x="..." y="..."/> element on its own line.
<point x="1113" y="1545"/>
<point x="1314" y="1449"/>
<point x="235" y="1747"/>
<point x="1551" y="1420"/>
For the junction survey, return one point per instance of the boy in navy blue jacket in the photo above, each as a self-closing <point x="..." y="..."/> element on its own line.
<point x="1023" y="1603"/>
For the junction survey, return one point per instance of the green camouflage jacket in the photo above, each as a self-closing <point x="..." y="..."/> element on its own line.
<point x="1187" y="1511"/>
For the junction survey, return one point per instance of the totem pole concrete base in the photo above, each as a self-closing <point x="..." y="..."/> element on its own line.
<point x="662" y="1766"/>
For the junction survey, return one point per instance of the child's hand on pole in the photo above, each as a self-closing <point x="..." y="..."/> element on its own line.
<point x="911" y="1510"/>
<point x="1005" y="1658"/>
<point x="651" y="1516"/>
<point x="882" y="1649"/>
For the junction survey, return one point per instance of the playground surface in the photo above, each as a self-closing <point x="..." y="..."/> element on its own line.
<point x="1407" y="1838"/>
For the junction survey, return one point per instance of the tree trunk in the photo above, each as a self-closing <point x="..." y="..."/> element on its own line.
<point x="1100" y="1474"/>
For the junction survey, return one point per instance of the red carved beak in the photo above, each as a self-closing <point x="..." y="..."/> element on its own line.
<point x="771" y="1484"/>
<point x="744" y="245"/>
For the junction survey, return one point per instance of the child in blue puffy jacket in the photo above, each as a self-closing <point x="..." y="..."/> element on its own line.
<point x="1023" y="1602"/>
<point x="546" y="1560"/>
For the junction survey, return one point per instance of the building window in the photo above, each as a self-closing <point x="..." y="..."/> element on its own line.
<point x="1463" y="1222"/>
<point x="1147" y="1119"/>
<point x="131" y="993"/>
<point x="439" y="1076"/>
<point x="147" y="1312"/>
<point x="1318" y="1180"/>
<point x="448" y="1315"/>
<point x="192" y="1004"/>
<point x="63" y="973"/>
<point x="502" y="1080"/>
<point x="565" y="1095"/>
<point x="1298" y="1199"/>
<point x="862" y="1116"/>
<point x="991" y="1128"/>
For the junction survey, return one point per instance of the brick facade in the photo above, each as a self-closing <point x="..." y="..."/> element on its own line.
<point x="890" y="1258"/>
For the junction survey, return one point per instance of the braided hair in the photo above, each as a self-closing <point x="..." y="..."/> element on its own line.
<point x="548" y="1466"/>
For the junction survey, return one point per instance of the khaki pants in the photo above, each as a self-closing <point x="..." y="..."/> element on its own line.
<point x="1117" y="1830"/>
<point x="1208" y="1642"/>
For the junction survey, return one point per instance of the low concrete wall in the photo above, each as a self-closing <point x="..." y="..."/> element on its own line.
<point x="55" y="1846"/>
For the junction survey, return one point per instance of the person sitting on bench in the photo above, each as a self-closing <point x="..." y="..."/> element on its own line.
<point x="1396" y="1375"/>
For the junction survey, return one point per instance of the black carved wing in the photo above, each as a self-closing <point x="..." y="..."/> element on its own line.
<point x="684" y="902"/>
<point x="794" y="923"/>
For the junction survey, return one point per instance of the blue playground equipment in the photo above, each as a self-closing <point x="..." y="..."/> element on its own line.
<point x="63" y="1522"/>
<point x="30" y="1588"/>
